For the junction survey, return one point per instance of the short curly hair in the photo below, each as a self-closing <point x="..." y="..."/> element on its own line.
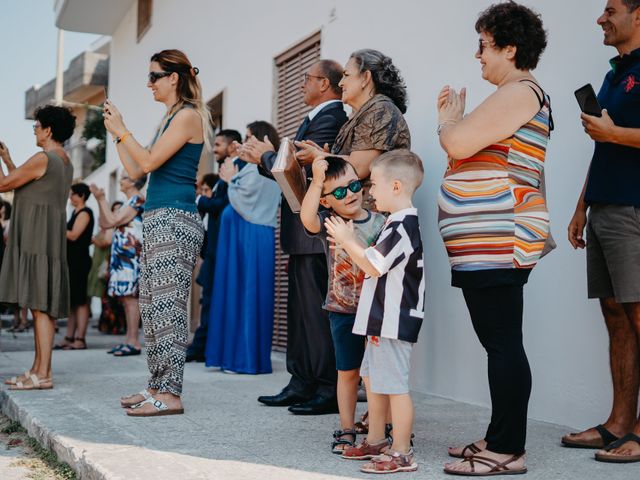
<point x="385" y="75"/>
<point x="511" y="24"/>
<point x="59" y="119"/>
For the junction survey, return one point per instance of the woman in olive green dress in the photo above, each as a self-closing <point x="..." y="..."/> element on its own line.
<point x="34" y="271"/>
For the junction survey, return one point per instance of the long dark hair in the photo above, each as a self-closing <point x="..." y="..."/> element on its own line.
<point x="384" y="74"/>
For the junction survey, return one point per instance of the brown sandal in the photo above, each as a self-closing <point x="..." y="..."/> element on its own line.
<point x="496" y="467"/>
<point x="468" y="451"/>
<point x="73" y="347"/>
<point x="362" y="427"/>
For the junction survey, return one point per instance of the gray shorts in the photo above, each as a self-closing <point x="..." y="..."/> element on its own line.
<point x="613" y="252"/>
<point x="386" y="362"/>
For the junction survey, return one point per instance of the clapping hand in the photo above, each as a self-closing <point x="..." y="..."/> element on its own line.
<point x="339" y="231"/>
<point x="227" y="170"/>
<point x="4" y="151"/>
<point x="451" y="105"/>
<point x="97" y="192"/>
<point x="252" y="150"/>
<point x="113" y="120"/>
<point x="309" y="151"/>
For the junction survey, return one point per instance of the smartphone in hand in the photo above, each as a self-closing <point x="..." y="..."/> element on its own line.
<point x="588" y="101"/>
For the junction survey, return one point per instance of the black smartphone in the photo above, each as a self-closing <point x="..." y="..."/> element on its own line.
<point x="588" y="101"/>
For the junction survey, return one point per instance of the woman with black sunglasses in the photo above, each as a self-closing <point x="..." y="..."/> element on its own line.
<point x="494" y="221"/>
<point x="172" y="228"/>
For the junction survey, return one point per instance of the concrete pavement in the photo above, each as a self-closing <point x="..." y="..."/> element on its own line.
<point x="227" y="434"/>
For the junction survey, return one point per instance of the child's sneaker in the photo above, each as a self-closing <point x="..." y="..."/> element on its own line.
<point x="365" y="451"/>
<point x="391" y="462"/>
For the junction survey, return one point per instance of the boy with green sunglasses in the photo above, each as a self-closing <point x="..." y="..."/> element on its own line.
<point x="336" y="187"/>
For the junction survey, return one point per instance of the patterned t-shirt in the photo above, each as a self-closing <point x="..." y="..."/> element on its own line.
<point x="345" y="277"/>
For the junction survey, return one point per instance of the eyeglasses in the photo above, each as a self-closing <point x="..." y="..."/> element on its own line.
<point x="482" y="44"/>
<point x="36" y="126"/>
<point x="307" y="77"/>
<point x="155" y="76"/>
<point x="339" y="193"/>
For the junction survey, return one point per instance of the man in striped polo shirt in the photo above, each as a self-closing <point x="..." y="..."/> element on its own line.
<point x="391" y="309"/>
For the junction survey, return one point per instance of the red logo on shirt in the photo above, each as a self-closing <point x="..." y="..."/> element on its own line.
<point x="630" y="83"/>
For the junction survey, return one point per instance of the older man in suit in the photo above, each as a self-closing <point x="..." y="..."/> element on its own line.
<point x="310" y="354"/>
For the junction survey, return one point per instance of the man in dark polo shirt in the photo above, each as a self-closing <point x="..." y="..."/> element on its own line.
<point x="612" y="196"/>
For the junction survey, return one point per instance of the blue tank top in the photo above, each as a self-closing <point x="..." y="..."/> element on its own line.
<point x="173" y="185"/>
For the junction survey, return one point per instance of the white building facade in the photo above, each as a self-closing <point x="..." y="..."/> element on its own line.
<point x="234" y="44"/>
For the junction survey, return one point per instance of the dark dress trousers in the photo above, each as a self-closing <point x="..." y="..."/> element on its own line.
<point x="310" y="354"/>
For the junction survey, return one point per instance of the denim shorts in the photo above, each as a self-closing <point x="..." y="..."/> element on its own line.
<point x="349" y="347"/>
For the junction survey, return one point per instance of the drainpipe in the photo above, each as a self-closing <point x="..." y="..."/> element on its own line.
<point x="58" y="96"/>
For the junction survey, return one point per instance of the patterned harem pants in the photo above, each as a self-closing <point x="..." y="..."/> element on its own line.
<point x="172" y="241"/>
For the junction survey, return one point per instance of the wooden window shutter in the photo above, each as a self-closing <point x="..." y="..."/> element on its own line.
<point x="145" y="8"/>
<point x="290" y="111"/>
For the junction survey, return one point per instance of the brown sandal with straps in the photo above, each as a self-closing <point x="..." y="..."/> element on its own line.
<point x="495" y="467"/>
<point x="468" y="451"/>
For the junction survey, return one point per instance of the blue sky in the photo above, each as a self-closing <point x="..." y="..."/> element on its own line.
<point x="29" y="38"/>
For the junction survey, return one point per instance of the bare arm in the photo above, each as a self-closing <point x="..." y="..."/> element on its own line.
<point x="311" y="201"/>
<point x="602" y="129"/>
<point x="575" y="231"/>
<point x="32" y="169"/>
<point x="109" y="219"/>
<point x="495" y="119"/>
<point x="79" y="226"/>
<point x="103" y="239"/>
<point x="360" y="159"/>
<point x="185" y="127"/>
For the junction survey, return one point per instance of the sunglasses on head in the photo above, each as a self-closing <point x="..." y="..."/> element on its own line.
<point x="339" y="193"/>
<point x="155" y="76"/>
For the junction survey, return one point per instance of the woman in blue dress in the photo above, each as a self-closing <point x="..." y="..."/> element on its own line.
<point x="241" y="315"/>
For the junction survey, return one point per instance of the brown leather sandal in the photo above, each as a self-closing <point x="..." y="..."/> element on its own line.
<point x="495" y="467"/>
<point x="362" y="427"/>
<point x="468" y="451"/>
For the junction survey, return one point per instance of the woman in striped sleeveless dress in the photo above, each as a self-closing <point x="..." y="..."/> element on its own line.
<point x="494" y="221"/>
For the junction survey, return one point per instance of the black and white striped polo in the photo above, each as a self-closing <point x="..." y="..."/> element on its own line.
<point x="392" y="305"/>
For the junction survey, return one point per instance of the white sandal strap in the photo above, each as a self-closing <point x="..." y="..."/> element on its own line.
<point x="157" y="404"/>
<point x="35" y="380"/>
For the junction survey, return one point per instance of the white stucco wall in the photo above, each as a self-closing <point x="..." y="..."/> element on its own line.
<point x="433" y="43"/>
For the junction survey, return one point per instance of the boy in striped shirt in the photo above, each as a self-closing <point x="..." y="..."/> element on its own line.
<point x="391" y="309"/>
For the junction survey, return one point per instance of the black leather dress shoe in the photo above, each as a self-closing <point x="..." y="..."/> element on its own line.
<point x="316" y="406"/>
<point x="285" y="398"/>
<point x="192" y="357"/>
